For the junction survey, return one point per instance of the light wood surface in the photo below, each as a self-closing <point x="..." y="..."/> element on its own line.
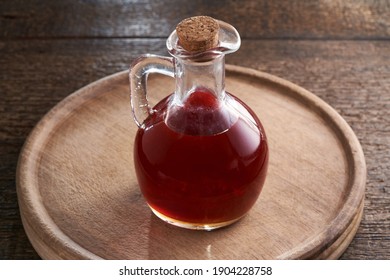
<point x="79" y="198"/>
<point x="337" y="49"/>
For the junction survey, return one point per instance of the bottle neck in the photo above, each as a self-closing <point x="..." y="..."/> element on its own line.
<point x="192" y="76"/>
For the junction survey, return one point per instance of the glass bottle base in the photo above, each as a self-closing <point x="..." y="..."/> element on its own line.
<point x="194" y="226"/>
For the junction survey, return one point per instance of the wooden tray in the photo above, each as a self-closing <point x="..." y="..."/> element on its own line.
<point x="79" y="198"/>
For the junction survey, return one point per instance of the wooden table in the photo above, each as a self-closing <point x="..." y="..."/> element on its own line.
<point x="339" y="50"/>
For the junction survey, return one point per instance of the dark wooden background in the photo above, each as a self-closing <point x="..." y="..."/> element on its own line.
<point x="337" y="49"/>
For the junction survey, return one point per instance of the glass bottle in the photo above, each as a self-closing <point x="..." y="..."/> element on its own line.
<point x="200" y="154"/>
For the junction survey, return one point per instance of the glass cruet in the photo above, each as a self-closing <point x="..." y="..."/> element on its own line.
<point x="200" y="154"/>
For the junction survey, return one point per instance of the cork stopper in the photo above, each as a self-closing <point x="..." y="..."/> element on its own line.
<point x="198" y="34"/>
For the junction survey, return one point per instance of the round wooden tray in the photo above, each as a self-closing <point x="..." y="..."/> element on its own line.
<point x="79" y="198"/>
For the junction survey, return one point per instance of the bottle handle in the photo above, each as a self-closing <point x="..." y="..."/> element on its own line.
<point x="138" y="76"/>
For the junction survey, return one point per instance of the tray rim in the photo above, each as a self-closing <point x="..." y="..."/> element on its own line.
<point x="353" y="150"/>
<point x="30" y="152"/>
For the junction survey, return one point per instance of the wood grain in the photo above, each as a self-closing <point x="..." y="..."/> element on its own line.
<point x="346" y="19"/>
<point x="79" y="197"/>
<point x="352" y="76"/>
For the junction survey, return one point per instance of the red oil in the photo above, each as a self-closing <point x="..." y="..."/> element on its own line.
<point x="206" y="165"/>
